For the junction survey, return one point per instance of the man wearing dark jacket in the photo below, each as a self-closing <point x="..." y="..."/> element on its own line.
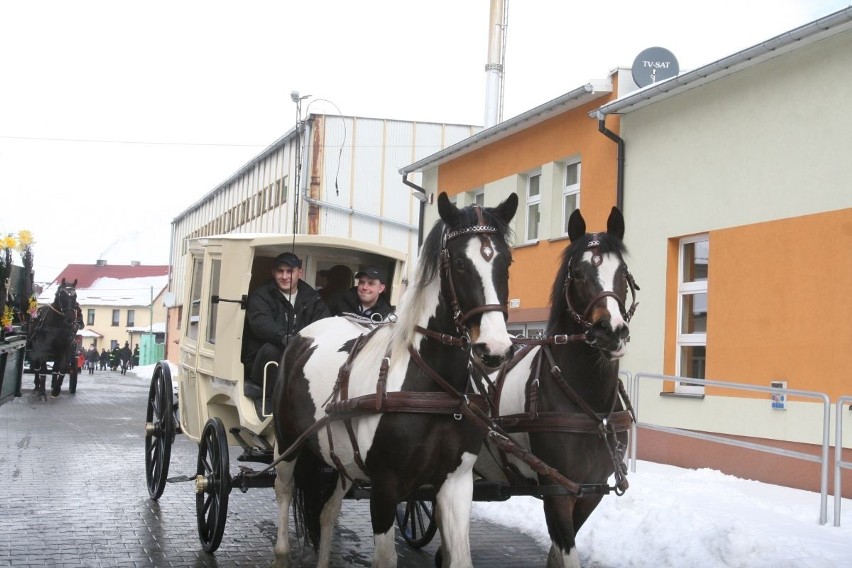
<point x="275" y="312"/>
<point x="367" y="298"/>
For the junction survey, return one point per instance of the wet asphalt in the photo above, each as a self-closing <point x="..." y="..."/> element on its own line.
<point x="73" y="493"/>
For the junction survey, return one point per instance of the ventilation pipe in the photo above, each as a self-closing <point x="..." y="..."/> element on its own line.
<point x="494" y="66"/>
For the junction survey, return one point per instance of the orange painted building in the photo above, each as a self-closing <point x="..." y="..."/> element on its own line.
<point x="738" y="212"/>
<point x="555" y="159"/>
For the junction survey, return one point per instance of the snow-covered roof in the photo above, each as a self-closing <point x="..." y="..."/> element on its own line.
<point x="156" y="327"/>
<point x="107" y="291"/>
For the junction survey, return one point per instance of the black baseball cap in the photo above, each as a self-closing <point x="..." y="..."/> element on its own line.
<point x="289" y="259"/>
<point x="372" y="272"/>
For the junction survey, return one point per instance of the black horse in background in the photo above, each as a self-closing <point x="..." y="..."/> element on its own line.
<point x="51" y="338"/>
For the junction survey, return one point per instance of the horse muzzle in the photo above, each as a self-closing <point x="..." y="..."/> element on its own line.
<point x="485" y="358"/>
<point x="612" y="342"/>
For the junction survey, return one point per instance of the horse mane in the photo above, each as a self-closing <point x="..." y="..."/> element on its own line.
<point x="608" y="244"/>
<point x="426" y="284"/>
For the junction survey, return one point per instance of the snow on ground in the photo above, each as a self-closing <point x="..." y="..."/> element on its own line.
<point x="673" y="517"/>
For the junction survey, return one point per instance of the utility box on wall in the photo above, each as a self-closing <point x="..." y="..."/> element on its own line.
<point x="779" y="400"/>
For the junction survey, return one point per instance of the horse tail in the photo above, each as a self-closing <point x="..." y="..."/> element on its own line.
<point x="315" y="482"/>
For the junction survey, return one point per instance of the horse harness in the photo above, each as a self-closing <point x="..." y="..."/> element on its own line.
<point x="449" y="401"/>
<point x="606" y="425"/>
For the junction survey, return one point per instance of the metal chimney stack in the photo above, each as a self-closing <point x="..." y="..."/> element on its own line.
<point x="494" y="67"/>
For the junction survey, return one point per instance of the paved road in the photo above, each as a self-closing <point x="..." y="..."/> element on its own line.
<point x="73" y="493"/>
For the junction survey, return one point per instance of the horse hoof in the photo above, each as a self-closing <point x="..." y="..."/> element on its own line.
<point x="54" y="393"/>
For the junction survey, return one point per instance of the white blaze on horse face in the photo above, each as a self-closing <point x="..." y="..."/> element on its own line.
<point x="610" y="264"/>
<point x="492" y="326"/>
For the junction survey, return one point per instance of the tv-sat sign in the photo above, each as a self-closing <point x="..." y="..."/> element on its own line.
<point x="654" y="64"/>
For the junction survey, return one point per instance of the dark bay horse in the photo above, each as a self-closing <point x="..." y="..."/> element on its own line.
<point x="383" y="408"/>
<point x="562" y="398"/>
<point x="52" y="338"/>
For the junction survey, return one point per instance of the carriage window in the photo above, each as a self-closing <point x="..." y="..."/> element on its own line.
<point x="693" y="271"/>
<point x="570" y="194"/>
<point x="533" y="207"/>
<point x="116" y="316"/>
<point x="131" y="318"/>
<point x="90" y="316"/>
<point x="215" y="269"/>
<point x="195" y="300"/>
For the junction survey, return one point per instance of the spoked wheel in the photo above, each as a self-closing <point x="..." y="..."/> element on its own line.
<point x="72" y="379"/>
<point x="212" y="484"/>
<point x="416" y="522"/>
<point x="159" y="430"/>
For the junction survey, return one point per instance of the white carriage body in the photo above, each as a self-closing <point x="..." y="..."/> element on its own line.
<point x="210" y="374"/>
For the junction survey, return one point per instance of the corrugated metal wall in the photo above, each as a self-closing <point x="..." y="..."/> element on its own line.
<point x="350" y="172"/>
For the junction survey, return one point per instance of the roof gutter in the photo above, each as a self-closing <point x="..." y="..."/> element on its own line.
<point x="506" y="128"/>
<point x="813" y="31"/>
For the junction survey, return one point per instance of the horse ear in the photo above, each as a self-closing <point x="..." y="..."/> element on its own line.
<point x="576" y="225"/>
<point x="447" y="210"/>
<point x="63" y="281"/>
<point x="615" y="224"/>
<point x="74" y="285"/>
<point x="508" y="208"/>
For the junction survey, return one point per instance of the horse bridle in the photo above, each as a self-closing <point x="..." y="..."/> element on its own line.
<point x="67" y="307"/>
<point x="583" y="320"/>
<point x="486" y="249"/>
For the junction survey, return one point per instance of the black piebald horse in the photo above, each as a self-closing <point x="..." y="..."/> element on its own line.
<point x="385" y="409"/>
<point x="561" y="397"/>
<point x="52" y="338"/>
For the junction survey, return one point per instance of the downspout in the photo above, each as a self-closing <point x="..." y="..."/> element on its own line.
<point x="619" y="180"/>
<point x="419" y="194"/>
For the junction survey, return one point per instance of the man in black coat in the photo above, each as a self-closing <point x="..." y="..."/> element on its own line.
<point x="275" y="312"/>
<point x="367" y="299"/>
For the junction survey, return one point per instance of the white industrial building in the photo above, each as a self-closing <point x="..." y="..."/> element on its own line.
<point x="343" y="182"/>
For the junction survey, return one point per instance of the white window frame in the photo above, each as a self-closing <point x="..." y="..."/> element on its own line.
<point x="570" y="189"/>
<point x="478" y="197"/>
<point x="530" y="201"/>
<point x="688" y="339"/>
<point x="532" y="329"/>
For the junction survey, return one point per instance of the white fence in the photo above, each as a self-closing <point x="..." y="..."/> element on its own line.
<point x="839" y="464"/>
<point x="822" y="459"/>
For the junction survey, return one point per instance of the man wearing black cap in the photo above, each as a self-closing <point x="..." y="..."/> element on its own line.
<point x="275" y="312"/>
<point x="367" y="298"/>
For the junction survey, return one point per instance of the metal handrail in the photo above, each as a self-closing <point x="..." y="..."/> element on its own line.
<point x="838" y="457"/>
<point x="826" y="427"/>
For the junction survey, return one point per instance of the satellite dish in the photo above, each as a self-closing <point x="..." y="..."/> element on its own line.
<point x="653" y="65"/>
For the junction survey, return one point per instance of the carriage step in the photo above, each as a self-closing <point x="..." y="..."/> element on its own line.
<point x="181" y="478"/>
<point x="255" y="455"/>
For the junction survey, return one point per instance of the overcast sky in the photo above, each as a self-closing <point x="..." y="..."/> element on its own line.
<point x="117" y="115"/>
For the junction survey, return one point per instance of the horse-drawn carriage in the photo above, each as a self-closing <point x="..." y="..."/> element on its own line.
<point x="213" y="408"/>
<point x="401" y="409"/>
<point x="51" y="341"/>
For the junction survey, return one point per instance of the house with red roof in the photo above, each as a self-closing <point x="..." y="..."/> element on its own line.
<point x="119" y="302"/>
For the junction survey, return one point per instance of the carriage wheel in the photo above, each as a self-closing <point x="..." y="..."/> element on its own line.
<point x="72" y="379"/>
<point x="159" y="431"/>
<point x="416" y="522"/>
<point x="212" y="484"/>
